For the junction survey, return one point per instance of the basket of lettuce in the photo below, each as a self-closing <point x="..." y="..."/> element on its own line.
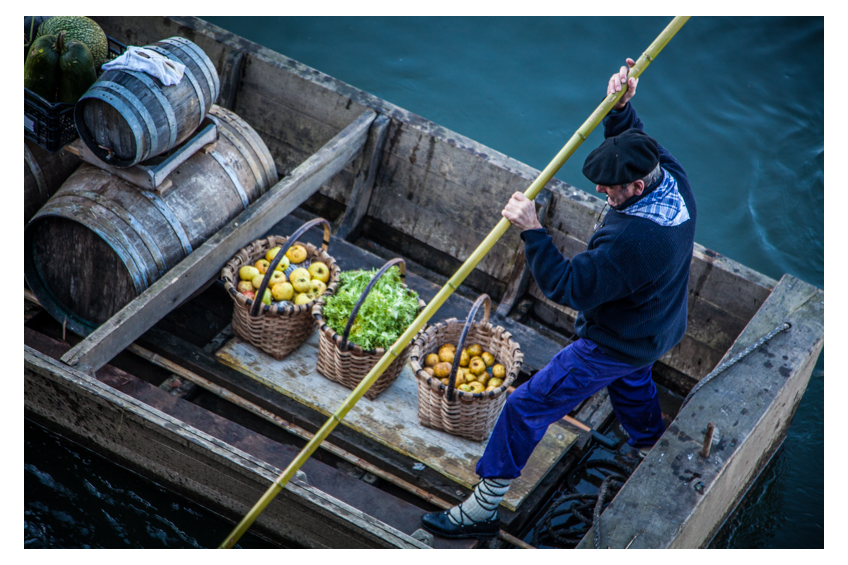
<point x="368" y="313"/>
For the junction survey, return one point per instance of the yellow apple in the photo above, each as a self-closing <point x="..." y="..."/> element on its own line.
<point x="296" y="253"/>
<point x="302" y="298"/>
<point x="247" y="272"/>
<point x="276" y="278"/>
<point x="318" y="287"/>
<point x="299" y="272"/>
<point x="301" y="283"/>
<point x="245" y="286"/>
<point x="262" y="265"/>
<point x="269" y="256"/>
<point x="257" y="281"/>
<point x="319" y="271"/>
<point x="282" y="291"/>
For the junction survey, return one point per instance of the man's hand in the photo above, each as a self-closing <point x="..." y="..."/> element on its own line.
<point x="521" y="211"/>
<point x="620" y="78"/>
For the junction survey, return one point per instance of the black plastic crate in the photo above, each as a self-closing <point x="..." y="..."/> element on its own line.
<point x="51" y="126"/>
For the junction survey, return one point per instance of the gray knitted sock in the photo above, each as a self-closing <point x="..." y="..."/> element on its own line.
<point x="483" y="503"/>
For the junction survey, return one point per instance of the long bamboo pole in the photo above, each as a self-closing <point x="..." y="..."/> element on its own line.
<point x="453" y="283"/>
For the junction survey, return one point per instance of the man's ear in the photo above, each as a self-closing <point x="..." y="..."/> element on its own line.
<point x="638" y="186"/>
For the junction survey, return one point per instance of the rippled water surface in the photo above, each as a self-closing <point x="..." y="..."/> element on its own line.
<point x="78" y="499"/>
<point x="739" y="101"/>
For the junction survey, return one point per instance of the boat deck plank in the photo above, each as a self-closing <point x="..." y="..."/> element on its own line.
<point x="392" y="418"/>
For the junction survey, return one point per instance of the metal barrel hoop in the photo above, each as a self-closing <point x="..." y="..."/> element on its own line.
<point x="469" y="321"/>
<point x="292" y="239"/>
<point x="345" y="345"/>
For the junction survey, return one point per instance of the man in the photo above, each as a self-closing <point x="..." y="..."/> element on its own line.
<point x="630" y="287"/>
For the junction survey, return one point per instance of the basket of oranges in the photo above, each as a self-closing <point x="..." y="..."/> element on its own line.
<point x="462" y="390"/>
<point x="274" y="283"/>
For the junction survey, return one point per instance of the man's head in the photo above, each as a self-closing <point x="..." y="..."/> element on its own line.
<point x="620" y="165"/>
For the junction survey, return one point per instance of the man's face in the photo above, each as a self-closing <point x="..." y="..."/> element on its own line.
<point x="618" y="194"/>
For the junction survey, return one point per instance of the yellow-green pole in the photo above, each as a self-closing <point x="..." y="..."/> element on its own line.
<point x="453" y="283"/>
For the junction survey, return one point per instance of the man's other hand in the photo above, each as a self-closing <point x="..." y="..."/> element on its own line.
<point x="620" y="78"/>
<point x="521" y="211"/>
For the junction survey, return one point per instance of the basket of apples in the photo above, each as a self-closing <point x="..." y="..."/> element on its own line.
<point x="274" y="283"/>
<point x="462" y="389"/>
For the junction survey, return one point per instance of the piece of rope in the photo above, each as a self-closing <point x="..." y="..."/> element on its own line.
<point x="586" y="508"/>
<point x="726" y="365"/>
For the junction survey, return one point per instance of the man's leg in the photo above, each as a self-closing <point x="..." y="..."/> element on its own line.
<point x="636" y="404"/>
<point x="572" y="376"/>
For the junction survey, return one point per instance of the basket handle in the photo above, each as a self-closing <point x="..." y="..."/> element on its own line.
<point x="482" y="299"/>
<point x="401" y="265"/>
<point x="325" y="244"/>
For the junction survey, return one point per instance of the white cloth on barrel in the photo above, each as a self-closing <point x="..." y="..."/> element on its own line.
<point x="168" y="71"/>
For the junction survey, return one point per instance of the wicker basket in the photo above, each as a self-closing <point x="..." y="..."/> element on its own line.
<point x="347" y="363"/>
<point x="465" y="414"/>
<point x="276" y="330"/>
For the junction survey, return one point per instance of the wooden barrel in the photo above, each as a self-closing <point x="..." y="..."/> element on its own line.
<point x="127" y="117"/>
<point x="99" y="241"/>
<point x="44" y="173"/>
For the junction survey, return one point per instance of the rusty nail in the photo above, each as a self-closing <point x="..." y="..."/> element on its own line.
<point x="708" y="440"/>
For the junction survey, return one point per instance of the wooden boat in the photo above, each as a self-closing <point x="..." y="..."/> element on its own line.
<point x="395" y="184"/>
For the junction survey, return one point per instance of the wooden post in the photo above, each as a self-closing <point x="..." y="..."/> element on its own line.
<point x="369" y="163"/>
<point x="179" y="283"/>
<point x="708" y="440"/>
<point x="520" y="277"/>
<point x="231" y="78"/>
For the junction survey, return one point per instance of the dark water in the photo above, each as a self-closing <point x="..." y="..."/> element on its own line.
<point x="739" y="101"/>
<point x="78" y="499"/>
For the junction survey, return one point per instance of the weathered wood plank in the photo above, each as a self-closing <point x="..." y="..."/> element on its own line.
<point x="194" y="461"/>
<point x="202" y="264"/>
<point x="284" y="121"/>
<point x="469" y="203"/>
<point x="369" y="163"/>
<point x="287" y="158"/>
<point x="752" y="404"/>
<point x="443" y="234"/>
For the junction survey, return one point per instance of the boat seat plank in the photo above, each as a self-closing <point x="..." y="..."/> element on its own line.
<point x="390" y="419"/>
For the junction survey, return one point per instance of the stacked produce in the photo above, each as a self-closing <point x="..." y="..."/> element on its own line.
<point x="478" y="370"/>
<point x="384" y="315"/>
<point x="293" y="281"/>
<point x="63" y="57"/>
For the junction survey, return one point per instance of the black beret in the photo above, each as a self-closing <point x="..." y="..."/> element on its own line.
<point x="622" y="159"/>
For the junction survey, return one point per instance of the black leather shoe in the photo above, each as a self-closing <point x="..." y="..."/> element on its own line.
<point x="439" y="524"/>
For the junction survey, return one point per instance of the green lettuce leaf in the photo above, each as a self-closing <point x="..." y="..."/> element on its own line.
<point x="386" y="313"/>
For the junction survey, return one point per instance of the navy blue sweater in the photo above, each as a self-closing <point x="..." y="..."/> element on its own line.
<point x="630" y="286"/>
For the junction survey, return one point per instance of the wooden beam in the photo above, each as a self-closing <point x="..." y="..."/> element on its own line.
<point x="369" y="163"/>
<point x="520" y="277"/>
<point x="180" y="282"/>
<point x="231" y="74"/>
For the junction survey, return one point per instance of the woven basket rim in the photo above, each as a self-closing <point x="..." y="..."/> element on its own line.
<point x="421" y="374"/>
<point x="323" y="326"/>
<point x="229" y="273"/>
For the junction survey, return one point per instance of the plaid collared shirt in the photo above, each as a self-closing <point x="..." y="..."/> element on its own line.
<point x="663" y="206"/>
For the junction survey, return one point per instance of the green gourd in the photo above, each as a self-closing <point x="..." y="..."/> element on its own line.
<point x="76" y="67"/>
<point x="80" y="28"/>
<point x="41" y="68"/>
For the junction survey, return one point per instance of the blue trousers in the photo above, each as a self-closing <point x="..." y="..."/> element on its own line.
<point x="574" y="374"/>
